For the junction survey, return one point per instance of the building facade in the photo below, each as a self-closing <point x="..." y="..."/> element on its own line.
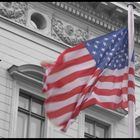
<point x="34" y="31"/>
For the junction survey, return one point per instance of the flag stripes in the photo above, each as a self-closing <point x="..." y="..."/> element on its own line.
<point x="75" y="83"/>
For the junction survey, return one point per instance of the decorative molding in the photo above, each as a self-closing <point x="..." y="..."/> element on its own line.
<point x="67" y="33"/>
<point x="87" y="13"/>
<point x="15" y="11"/>
<point x="100" y="14"/>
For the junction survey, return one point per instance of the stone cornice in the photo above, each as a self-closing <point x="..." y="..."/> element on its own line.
<point x="101" y="18"/>
<point x="84" y="13"/>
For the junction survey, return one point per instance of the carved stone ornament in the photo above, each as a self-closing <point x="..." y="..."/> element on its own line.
<point x="67" y="33"/>
<point x="14" y="11"/>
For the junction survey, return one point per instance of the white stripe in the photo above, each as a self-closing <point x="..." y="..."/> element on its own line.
<point x="111" y="98"/>
<point x="131" y="91"/>
<point x="131" y="77"/>
<point x="110" y="85"/>
<point x="75" y="54"/>
<point x="59" y="120"/>
<point x="116" y="72"/>
<point x="53" y="106"/>
<point x="58" y="75"/>
<point x="77" y="82"/>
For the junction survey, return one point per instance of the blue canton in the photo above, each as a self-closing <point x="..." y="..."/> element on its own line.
<point x="111" y="50"/>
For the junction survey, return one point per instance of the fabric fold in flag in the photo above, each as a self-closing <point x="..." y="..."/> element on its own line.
<point x="96" y="71"/>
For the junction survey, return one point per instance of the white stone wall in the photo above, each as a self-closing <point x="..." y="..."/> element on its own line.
<point x="18" y="47"/>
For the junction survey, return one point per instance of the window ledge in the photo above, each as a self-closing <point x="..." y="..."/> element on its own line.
<point x="116" y="114"/>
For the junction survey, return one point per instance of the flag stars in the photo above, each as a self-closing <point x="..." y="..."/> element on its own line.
<point x="97" y="42"/>
<point x="108" y="58"/>
<point x="113" y="49"/>
<point x="115" y="65"/>
<point x="112" y="41"/>
<point x="119" y="56"/>
<point x="104" y="43"/>
<point x="125" y="54"/>
<point x="122" y="51"/>
<point x="119" y="39"/>
<point x="120" y="65"/>
<point x="103" y="49"/>
<point x="93" y="52"/>
<point x="117" y="61"/>
<point x="110" y="51"/>
<point x="101" y="55"/>
<point x="105" y="38"/>
<point x="95" y="46"/>
<point x="124" y="46"/>
<point x="114" y="35"/>
<point x="106" y="64"/>
<point x="88" y="44"/>
<point x="122" y="33"/>
<point x="106" y="53"/>
<point x="111" y="54"/>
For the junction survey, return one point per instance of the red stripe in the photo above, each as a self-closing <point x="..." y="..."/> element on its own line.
<point x="131" y="71"/>
<point x="60" y="59"/>
<point x="131" y="97"/>
<point x="71" y="77"/>
<point x="107" y="92"/>
<point x="62" y="111"/>
<point x="65" y="95"/>
<point x="77" y="47"/>
<point x="70" y="63"/>
<point x="113" y="79"/>
<point x="131" y="84"/>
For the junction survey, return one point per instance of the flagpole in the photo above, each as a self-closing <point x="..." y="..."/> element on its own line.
<point x="131" y="104"/>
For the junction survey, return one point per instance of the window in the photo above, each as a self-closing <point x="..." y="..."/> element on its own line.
<point x="28" y="117"/>
<point x="31" y="120"/>
<point x="95" y="129"/>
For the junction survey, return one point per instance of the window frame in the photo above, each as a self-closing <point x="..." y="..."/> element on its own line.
<point x="29" y="112"/>
<point x="32" y="91"/>
<point x="94" y="123"/>
<point x="21" y="78"/>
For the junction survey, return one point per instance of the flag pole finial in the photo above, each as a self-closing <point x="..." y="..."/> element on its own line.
<point x="132" y="3"/>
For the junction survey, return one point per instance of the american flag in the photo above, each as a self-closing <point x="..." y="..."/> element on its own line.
<point x="96" y="71"/>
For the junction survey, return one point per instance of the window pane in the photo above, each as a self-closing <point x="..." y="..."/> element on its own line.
<point x="24" y="102"/>
<point x="35" y="127"/>
<point x="36" y="108"/>
<point x="100" y="132"/>
<point x="89" y="128"/>
<point x="22" y="125"/>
